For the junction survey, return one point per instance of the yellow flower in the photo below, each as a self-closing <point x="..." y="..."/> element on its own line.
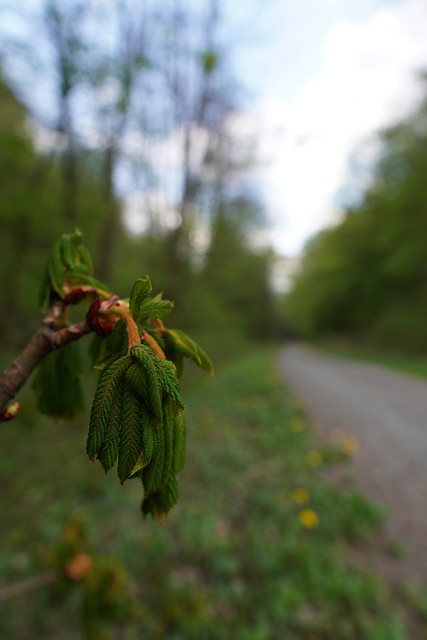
<point x="299" y="495"/>
<point x="314" y="458"/>
<point x="309" y="518"/>
<point x="296" y="424"/>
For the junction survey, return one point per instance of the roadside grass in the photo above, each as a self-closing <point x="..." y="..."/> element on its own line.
<point x="258" y="548"/>
<point x="399" y="362"/>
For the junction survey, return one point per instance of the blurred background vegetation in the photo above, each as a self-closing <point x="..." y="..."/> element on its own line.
<point x="364" y="280"/>
<point x="118" y="119"/>
<point x="132" y="141"/>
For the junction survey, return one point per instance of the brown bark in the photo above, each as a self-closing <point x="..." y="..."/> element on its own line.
<point x="48" y="338"/>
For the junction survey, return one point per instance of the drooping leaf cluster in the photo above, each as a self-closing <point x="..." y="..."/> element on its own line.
<point x="137" y="416"/>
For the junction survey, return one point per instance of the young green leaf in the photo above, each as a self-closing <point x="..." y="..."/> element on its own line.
<point x="140" y="292"/>
<point x="169" y="412"/>
<point x="179" y="442"/>
<point x="153" y="399"/>
<point x="166" y="372"/>
<point x="104" y="403"/>
<point x="152" y="475"/>
<point x="152" y="308"/>
<point x="190" y="348"/>
<point x="57" y="383"/>
<point x="107" y="455"/>
<point x="69" y="260"/>
<point x="81" y="277"/>
<point x="56" y="269"/>
<point x="149" y="441"/>
<point x="131" y="442"/>
<point x="158" y="504"/>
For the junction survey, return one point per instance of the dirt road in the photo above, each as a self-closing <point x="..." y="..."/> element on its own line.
<point x="387" y="411"/>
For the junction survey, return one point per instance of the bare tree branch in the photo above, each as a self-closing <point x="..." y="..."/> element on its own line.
<point x="26" y="586"/>
<point x="48" y="338"/>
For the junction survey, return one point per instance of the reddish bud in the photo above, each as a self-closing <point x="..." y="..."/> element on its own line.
<point x="99" y="317"/>
<point x="8" y="413"/>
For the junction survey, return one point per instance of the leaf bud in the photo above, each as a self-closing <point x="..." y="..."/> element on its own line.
<point x="98" y="317"/>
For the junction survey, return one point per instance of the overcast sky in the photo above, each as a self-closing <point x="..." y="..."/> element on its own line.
<point x="322" y="77"/>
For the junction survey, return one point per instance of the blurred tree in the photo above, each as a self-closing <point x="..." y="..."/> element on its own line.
<point x="236" y="274"/>
<point x="31" y="215"/>
<point x="368" y="275"/>
<point x="63" y="29"/>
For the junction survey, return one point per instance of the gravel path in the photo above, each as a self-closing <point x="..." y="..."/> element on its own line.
<point x="387" y="412"/>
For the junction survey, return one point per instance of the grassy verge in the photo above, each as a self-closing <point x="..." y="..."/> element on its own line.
<point x="258" y="548"/>
<point x="407" y="364"/>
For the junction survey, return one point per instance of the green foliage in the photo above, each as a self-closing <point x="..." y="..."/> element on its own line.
<point x="57" y="383"/>
<point x="137" y="415"/>
<point x="69" y="263"/>
<point x="182" y="342"/>
<point x="32" y="216"/>
<point x="237" y="527"/>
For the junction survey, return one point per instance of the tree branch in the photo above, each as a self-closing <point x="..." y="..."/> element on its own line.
<point x="31" y="584"/>
<point x="48" y="338"/>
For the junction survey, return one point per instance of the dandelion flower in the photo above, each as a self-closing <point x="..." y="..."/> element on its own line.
<point x="296" y="424"/>
<point x="308" y="518"/>
<point x="314" y="458"/>
<point x="299" y="495"/>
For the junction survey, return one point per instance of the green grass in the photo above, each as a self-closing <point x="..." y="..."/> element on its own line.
<point x="399" y="362"/>
<point x="233" y="560"/>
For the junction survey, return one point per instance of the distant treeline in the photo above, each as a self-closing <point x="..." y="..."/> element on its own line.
<point x="366" y="278"/>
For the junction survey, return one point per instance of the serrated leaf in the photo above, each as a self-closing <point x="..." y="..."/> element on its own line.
<point x="168" y="428"/>
<point x="145" y="357"/>
<point x="117" y="340"/>
<point x="131" y="417"/>
<point x="108" y="452"/>
<point x="149" y="441"/>
<point x="179" y="443"/>
<point x="154" y="309"/>
<point x="174" y="354"/>
<point x="102" y="405"/>
<point x="139" y="465"/>
<point x="55" y="270"/>
<point x="158" y="504"/>
<point x="68" y="260"/>
<point x="136" y="379"/>
<point x="68" y="252"/>
<point x="190" y="348"/>
<point x="81" y="277"/>
<point x="85" y="260"/>
<point x="168" y="378"/>
<point x="152" y="475"/>
<point x="140" y="292"/>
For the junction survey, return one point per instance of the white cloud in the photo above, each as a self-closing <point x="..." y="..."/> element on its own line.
<point x="367" y="79"/>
